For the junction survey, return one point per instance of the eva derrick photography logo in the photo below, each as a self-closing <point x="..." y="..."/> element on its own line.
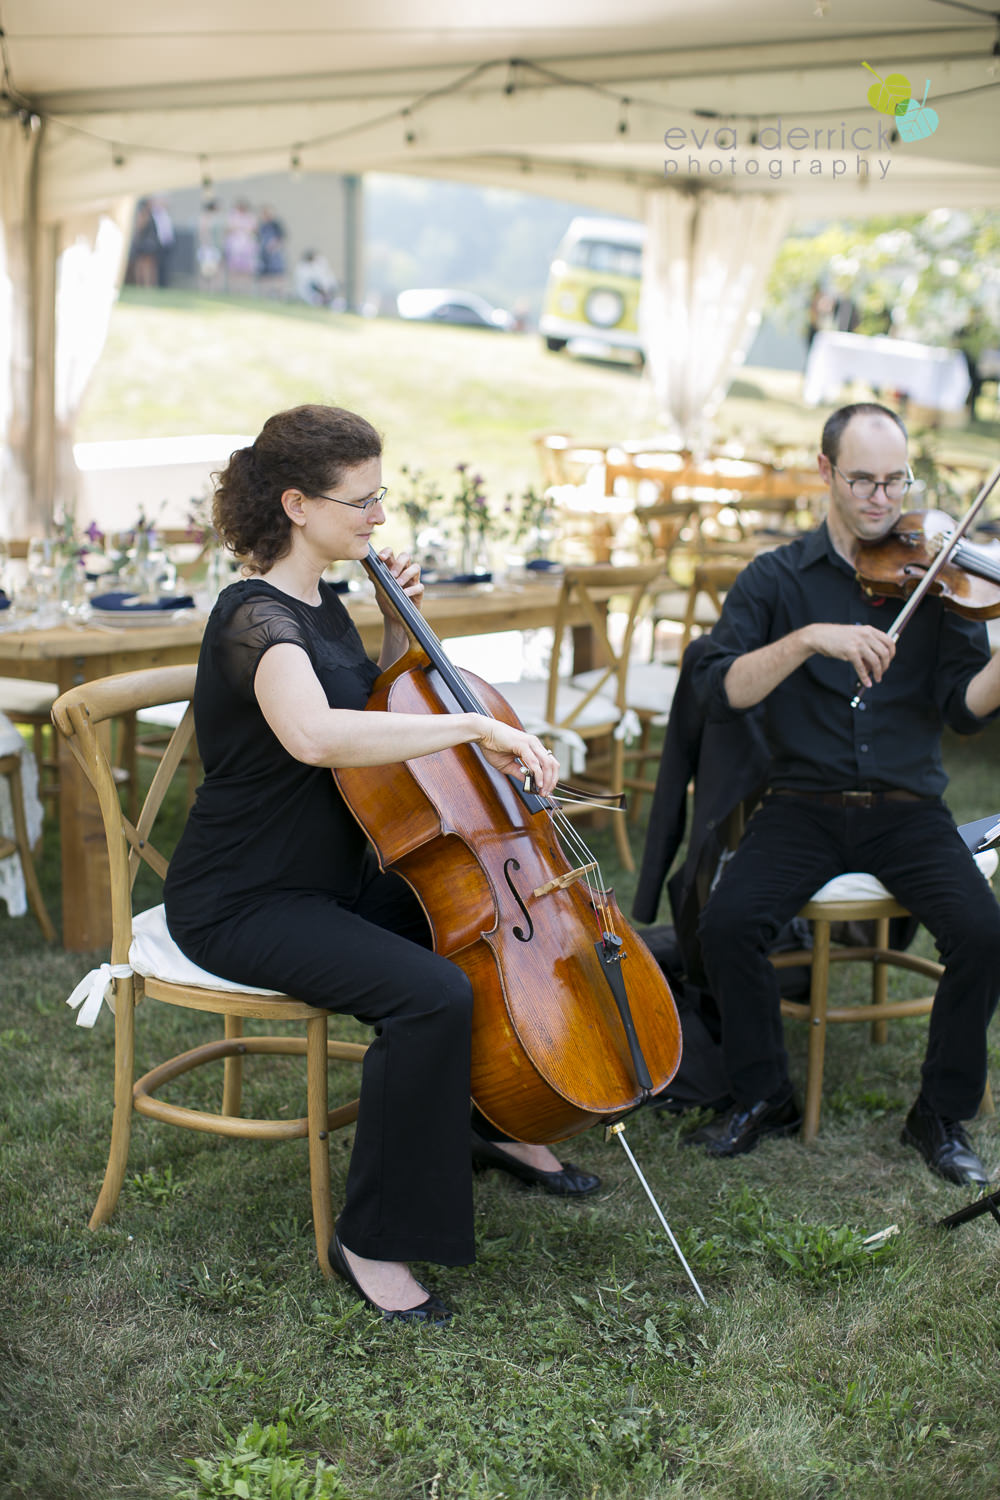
<point x="778" y="149"/>
<point x="894" y="96"/>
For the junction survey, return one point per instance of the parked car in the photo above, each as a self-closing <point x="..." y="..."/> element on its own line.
<point x="437" y="306"/>
<point x="592" y="293"/>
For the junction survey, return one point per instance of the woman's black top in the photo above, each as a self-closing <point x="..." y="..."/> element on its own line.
<point x="262" y="821"/>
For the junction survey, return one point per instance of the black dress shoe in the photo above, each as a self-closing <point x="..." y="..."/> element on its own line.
<point x="744" y="1127"/>
<point x="432" y="1310"/>
<point x="568" y="1182"/>
<point x="944" y="1145"/>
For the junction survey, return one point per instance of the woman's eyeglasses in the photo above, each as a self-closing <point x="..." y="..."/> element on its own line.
<point x="864" y="488"/>
<point x="372" y="500"/>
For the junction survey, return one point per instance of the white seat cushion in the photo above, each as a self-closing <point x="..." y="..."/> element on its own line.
<point x="154" y="954"/>
<point x="649" y="688"/>
<point x="21" y="696"/>
<point x="527" y="699"/>
<point x="167" y="715"/>
<point x="858" y="886"/>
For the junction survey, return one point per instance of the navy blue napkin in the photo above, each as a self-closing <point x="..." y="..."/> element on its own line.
<point x="541" y="565"/>
<point x="4" y="601"/>
<point x="466" y="578"/>
<point x="121" y="601"/>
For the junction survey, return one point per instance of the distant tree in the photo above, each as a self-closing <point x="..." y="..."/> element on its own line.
<point x="935" y="273"/>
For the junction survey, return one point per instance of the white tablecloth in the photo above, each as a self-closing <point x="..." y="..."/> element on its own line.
<point x="11" y="877"/>
<point x="934" y="377"/>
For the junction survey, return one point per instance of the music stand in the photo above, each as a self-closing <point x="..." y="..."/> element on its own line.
<point x="989" y="1203"/>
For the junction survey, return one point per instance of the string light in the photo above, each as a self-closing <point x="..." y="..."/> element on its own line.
<point x="517" y="68"/>
<point x="295" y="163"/>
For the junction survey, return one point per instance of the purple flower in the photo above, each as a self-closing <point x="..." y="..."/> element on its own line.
<point x="94" y="534"/>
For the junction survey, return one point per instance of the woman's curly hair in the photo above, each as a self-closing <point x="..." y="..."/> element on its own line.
<point x="308" y="448"/>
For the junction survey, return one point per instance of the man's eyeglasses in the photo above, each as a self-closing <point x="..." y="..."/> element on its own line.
<point x="368" y="504"/>
<point x="863" y="489"/>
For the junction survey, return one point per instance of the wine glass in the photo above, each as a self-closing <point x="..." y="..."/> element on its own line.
<point x="43" y="578"/>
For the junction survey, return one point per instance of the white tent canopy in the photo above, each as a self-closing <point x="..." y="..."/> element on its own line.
<point x="569" y="98"/>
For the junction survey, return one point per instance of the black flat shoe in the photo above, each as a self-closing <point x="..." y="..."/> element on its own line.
<point x="743" y="1127"/>
<point x="432" y="1310"/>
<point x="568" y="1182"/>
<point x="944" y="1146"/>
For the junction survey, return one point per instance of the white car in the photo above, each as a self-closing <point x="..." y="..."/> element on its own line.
<point x="437" y="306"/>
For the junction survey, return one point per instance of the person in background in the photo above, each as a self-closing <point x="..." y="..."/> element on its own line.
<point x="144" y="249"/>
<point x="240" y="247"/>
<point x="209" y="254"/>
<point x="851" y="788"/>
<point x="271" y="252"/>
<point x="314" y="281"/>
<point x="273" y="882"/>
<point x="165" y="236"/>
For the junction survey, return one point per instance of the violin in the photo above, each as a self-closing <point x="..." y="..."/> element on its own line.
<point x="968" y="581"/>
<point x="573" y="1023"/>
<point x="912" y="564"/>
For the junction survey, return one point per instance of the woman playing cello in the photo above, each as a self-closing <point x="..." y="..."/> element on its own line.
<point x="273" y="884"/>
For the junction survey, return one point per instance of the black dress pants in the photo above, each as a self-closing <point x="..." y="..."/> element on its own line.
<point x="793" y="846"/>
<point x="409" y="1184"/>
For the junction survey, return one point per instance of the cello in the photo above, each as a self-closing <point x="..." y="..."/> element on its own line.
<point x="573" y="1023"/>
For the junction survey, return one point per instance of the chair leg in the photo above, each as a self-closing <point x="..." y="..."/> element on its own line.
<point x="32" y="889"/>
<point x="121" y="1120"/>
<point x="986" y="1105"/>
<point x="620" y="818"/>
<point x="232" y="1070"/>
<point x="880" y="980"/>
<point x="317" y="1088"/>
<point x="640" y="755"/>
<point x="818" y="992"/>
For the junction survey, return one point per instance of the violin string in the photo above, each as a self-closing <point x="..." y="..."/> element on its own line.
<point x="978" y="560"/>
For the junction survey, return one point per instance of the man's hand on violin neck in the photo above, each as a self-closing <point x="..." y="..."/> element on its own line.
<point x="868" y="650"/>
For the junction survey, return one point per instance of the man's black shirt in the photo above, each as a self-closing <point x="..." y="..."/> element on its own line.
<point x="818" y="742"/>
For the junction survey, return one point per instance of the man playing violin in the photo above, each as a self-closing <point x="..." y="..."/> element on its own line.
<point x="850" y="788"/>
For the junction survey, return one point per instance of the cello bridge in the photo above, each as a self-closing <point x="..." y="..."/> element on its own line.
<point x="562" y="882"/>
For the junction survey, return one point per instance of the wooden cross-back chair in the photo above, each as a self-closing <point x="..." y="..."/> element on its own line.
<point x="590" y="707"/>
<point x="147" y="966"/>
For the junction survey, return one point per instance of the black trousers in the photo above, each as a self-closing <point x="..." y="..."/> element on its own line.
<point x="791" y="847"/>
<point x="409" y="1184"/>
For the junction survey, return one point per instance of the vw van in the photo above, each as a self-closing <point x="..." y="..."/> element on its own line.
<point x="592" y="293"/>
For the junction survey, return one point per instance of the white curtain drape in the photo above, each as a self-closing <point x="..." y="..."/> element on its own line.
<point x="58" y="283"/>
<point x="706" y="258"/>
<point x="18" y="148"/>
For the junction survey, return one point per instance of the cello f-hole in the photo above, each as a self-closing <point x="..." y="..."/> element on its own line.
<point x="519" y="933"/>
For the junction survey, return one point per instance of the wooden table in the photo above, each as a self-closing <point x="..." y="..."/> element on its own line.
<point x="67" y="655"/>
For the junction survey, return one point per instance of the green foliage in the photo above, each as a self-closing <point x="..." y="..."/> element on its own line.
<point x="156" y="1185"/>
<point x="261" y="1466"/>
<point x="937" y="273"/>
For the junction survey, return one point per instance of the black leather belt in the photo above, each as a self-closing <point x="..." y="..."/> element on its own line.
<point x="848" y="799"/>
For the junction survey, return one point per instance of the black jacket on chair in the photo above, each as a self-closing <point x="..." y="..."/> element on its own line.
<point x="728" y="761"/>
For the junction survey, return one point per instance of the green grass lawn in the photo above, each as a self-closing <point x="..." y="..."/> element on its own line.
<point x="191" y="1347"/>
<point x="179" y="363"/>
<point x="580" y="1364"/>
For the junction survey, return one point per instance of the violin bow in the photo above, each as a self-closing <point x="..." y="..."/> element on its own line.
<point x="899" y="623"/>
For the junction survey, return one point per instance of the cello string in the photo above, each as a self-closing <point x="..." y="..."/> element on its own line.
<point x="425" y="636"/>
